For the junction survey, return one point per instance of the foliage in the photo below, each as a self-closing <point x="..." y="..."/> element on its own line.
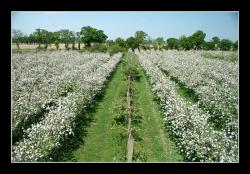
<point x="121" y="42"/>
<point x="131" y="42"/>
<point x="67" y="37"/>
<point x="160" y="42"/>
<point x="109" y="43"/>
<point x="197" y="39"/>
<point x="89" y="35"/>
<point x="225" y="44"/>
<point x="114" y="49"/>
<point x="216" y="41"/>
<point x="209" y="45"/>
<point x="92" y="35"/>
<point x="235" y="45"/>
<point x="140" y="38"/>
<point x="172" y="43"/>
<point x="78" y="40"/>
<point x="57" y="44"/>
<point x="184" y="43"/>
<point x="97" y="47"/>
<point x="17" y="36"/>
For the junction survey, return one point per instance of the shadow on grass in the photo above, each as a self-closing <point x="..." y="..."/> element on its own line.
<point x="82" y="122"/>
<point x="167" y="125"/>
<point x="185" y="92"/>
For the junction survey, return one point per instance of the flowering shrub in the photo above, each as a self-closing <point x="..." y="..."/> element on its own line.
<point x="79" y="78"/>
<point x="37" y="81"/>
<point x="188" y="123"/>
<point x="214" y="81"/>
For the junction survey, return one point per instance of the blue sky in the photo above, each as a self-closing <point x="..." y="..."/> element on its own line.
<point x="125" y="24"/>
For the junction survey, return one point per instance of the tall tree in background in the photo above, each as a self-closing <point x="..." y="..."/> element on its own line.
<point x="32" y="38"/>
<point x="25" y="39"/>
<point x="65" y="37"/>
<point x="56" y="39"/>
<point x="209" y="45"/>
<point x="160" y="42"/>
<point x="50" y="38"/>
<point x="197" y="39"/>
<point x="225" y="44"/>
<point x="38" y="37"/>
<point x="17" y="37"/>
<point x="216" y="41"/>
<point x="131" y="42"/>
<point x="172" y="43"/>
<point x="148" y="42"/>
<point x="235" y="45"/>
<point x="73" y="38"/>
<point x="91" y="35"/>
<point x="121" y="42"/>
<point x="46" y="38"/>
<point x="78" y="40"/>
<point x="185" y="43"/>
<point x="140" y="38"/>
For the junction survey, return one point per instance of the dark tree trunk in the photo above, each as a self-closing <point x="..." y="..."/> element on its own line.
<point x="79" y="46"/>
<point x="17" y="45"/>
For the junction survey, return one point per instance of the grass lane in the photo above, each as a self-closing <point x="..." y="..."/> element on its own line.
<point x="102" y="142"/>
<point x="106" y="141"/>
<point x="154" y="144"/>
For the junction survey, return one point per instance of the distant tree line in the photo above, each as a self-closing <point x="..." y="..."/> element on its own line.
<point x="90" y="36"/>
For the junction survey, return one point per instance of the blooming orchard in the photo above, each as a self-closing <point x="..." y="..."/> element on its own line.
<point x="189" y="122"/>
<point x="50" y="90"/>
<point x="60" y="82"/>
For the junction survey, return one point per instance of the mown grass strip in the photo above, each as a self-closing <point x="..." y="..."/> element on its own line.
<point x="152" y="142"/>
<point x="185" y="92"/>
<point x="105" y="140"/>
<point x="103" y="135"/>
<point x="231" y="58"/>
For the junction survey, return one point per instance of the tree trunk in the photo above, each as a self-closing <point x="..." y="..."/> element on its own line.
<point x="17" y="45"/>
<point x="73" y="46"/>
<point x="79" y="46"/>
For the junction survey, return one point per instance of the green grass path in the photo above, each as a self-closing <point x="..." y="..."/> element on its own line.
<point x="106" y="141"/>
<point x="101" y="140"/>
<point x="155" y="145"/>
